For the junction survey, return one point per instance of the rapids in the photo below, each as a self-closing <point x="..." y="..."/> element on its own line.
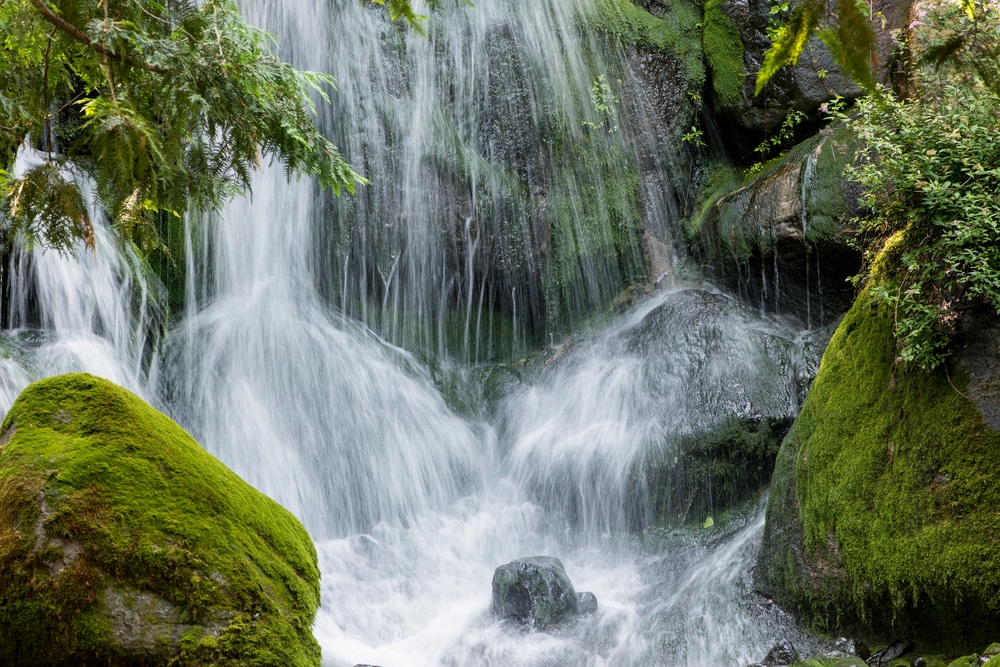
<point x="300" y="360"/>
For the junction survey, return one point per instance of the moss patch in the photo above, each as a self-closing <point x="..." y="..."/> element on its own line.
<point x="718" y="470"/>
<point x="724" y="53"/>
<point x="675" y="32"/>
<point x="113" y="519"/>
<point x="883" y="514"/>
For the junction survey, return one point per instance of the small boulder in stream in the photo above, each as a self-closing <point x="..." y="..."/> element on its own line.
<point x="536" y="591"/>
<point x="781" y="654"/>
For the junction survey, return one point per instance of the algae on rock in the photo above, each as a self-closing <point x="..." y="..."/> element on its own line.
<point x="883" y="512"/>
<point x="780" y="240"/>
<point x="123" y="542"/>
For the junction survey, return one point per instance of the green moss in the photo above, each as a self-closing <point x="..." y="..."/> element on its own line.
<point x="887" y="482"/>
<point x="723" y="219"/>
<point x="676" y="32"/>
<point x="724" y="53"/>
<point x="716" y="470"/>
<point x="854" y="661"/>
<point x="826" y="209"/>
<point x="593" y="224"/>
<point x="144" y="518"/>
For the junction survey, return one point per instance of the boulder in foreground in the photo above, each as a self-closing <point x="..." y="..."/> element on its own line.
<point x="123" y="542"/>
<point x="884" y="510"/>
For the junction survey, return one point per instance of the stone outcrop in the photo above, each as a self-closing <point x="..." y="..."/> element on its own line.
<point x="781" y="241"/>
<point x="815" y="79"/>
<point x="882" y="516"/>
<point x="123" y="542"/>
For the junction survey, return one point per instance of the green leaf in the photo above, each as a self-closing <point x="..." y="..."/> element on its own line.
<point x="791" y="39"/>
<point x="851" y="40"/>
<point x="969" y="7"/>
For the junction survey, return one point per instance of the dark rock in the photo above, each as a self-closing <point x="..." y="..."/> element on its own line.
<point x="586" y="603"/>
<point x="717" y="384"/>
<point x="781" y="655"/>
<point x="918" y="662"/>
<point x="889" y="653"/>
<point x="804" y="87"/>
<point x="535" y="591"/>
<point x="781" y="241"/>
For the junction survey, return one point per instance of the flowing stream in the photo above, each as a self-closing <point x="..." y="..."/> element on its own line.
<point x="299" y="357"/>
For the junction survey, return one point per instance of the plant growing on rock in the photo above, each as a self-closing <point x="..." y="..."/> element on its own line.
<point x="930" y="173"/>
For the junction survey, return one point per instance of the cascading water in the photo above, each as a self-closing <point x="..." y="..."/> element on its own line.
<point x="460" y="246"/>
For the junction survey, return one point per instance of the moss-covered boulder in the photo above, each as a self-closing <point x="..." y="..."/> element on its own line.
<point x="884" y="512"/>
<point x="780" y="240"/>
<point x="123" y="542"/>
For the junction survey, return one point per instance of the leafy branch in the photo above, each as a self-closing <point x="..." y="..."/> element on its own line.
<point x="162" y="106"/>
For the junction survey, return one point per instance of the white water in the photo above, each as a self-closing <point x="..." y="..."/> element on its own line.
<point x="412" y="506"/>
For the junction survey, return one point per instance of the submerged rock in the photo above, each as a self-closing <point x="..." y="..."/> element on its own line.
<point x="534" y="590"/>
<point x="586" y="603"/>
<point x="883" y="516"/>
<point x="123" y="542"/>
<point x="668" y="419"/>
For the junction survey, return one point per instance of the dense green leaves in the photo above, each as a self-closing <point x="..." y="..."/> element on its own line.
<point x="931" y="180"/>
<point x="161" y="105"/>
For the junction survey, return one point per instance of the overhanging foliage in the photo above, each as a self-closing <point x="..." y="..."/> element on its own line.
<point x="161" y="105"/>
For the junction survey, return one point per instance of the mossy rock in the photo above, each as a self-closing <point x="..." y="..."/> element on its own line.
<point x="884" y="511"/>
<point x="123" y="542"/>
<point x="781" y="239"/>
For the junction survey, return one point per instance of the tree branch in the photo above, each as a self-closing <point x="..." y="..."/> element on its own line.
<point x="84" y="39"/>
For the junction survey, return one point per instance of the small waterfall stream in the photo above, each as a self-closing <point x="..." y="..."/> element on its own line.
<point x="300" y="356"/>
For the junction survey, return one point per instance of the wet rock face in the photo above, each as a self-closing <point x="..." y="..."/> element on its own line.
<point x="535" y="591"/>
<point x="696" y="394"/>
<point x="814" y="80"/>
<point x="782" y="241"/>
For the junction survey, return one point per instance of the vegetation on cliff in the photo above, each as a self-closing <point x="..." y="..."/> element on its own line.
<point x="930" y="174"/>
<point x="123" y="542"/>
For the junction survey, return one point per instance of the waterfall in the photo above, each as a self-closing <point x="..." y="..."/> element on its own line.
<point x="99" y="311"/>
<point x="504" y="209"/>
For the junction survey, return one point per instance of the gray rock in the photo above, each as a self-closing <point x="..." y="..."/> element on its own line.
<point x="781" y="241"/>
<point x="535" y="591"/>
<point x="782" y="654"/>
<point x="889" y="653"/>
<point x="586" y="603"/>
<point x="815" y="79"/>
